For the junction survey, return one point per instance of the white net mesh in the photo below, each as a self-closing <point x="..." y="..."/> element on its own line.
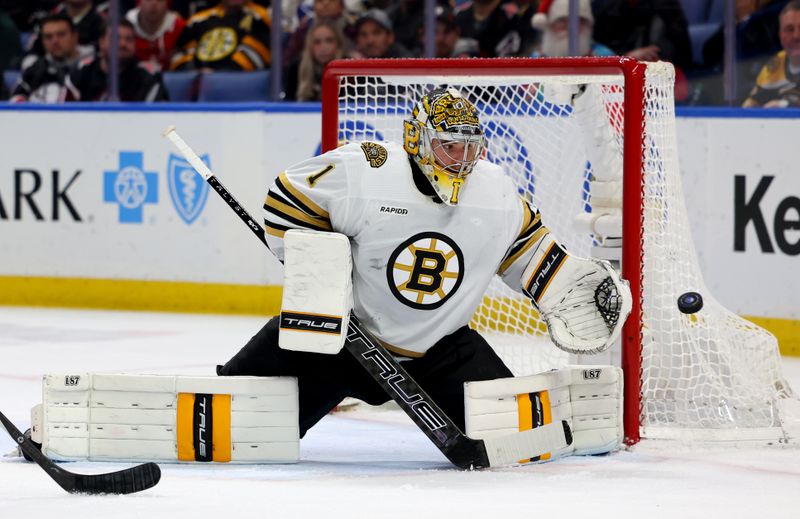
<point x="712" y="371"/>
<point x="563" y="147"/>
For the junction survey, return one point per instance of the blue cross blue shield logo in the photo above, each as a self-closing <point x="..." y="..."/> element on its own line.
<point x="187" y="188"/>
<point x="130" y="186"/>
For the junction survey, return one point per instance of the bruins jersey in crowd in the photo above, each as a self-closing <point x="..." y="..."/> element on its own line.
<point x="777" y="84"/>
<point x="222" y="40"/>
<point x="420" y="268"/>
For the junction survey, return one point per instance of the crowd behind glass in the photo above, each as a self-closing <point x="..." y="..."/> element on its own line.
<point x="225" y="50"/>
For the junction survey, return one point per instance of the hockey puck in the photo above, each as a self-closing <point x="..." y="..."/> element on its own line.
<point x="690" y="302"/>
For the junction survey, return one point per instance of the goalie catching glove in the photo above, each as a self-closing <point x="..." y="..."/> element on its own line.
<point x="583" y="301"/>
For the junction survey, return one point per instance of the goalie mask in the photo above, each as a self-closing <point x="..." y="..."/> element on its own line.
<point x="445" y="139"/>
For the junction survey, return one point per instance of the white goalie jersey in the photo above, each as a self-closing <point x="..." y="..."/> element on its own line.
<point x="420" y="268"/>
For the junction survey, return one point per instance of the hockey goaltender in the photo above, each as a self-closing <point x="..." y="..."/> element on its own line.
<point x="388" y="249"/>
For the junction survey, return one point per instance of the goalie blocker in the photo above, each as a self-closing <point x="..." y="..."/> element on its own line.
<point x="589" y="398"/>
<point x="317" y="291"/>
<point x="115" y="417"/>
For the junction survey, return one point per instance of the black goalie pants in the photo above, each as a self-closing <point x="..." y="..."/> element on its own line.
<point x="325" y="380"/>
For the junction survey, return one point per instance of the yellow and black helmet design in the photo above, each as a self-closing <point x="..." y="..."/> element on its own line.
<point x="445" y="138"/>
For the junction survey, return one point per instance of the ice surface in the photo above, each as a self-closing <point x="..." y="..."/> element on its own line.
<point x="370" y="463"/>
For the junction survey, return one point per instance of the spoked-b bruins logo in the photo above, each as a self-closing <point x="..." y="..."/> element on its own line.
<point x="217" y="44"/>
<point x="425" y="270"/>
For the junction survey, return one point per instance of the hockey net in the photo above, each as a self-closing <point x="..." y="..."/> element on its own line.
<point x="574" y="134"/>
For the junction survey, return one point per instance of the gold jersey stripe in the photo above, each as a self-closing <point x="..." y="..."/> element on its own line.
<point x="297" y="214"/>
<point x="401" y="351"/>
<point x="535" y="237"/>
<point x="185" y="427"/>
<point x="258" y="47"/>
<point x="535" y="221"/>
<point x="526" y="216"/>
<point x="221" y="435"/>
<point x="202" y="16"/>
<point x="240" y="59"/>
<point x="274" y="231"/>
<point x="183" y="59"/>
<point x="310" y="204"/>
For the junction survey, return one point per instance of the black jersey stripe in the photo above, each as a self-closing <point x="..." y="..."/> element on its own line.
<point x="525" y="237"/>
<point x="307" y="205"/>
<point x="276" y="196"/>
<point x="296" y="223"/>
<point x="275" y="229"/>
<point x="520" y="249"/>
<point x="529" y="232"/>
<point x="531" y="219"/>
<point x="294" y="215"/>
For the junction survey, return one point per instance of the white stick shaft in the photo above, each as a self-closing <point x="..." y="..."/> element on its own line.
<point x="188" y="153"/>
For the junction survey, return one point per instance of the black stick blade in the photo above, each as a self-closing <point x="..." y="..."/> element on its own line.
<point x="128" y="481"/>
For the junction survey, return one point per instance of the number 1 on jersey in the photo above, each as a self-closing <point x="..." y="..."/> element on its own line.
<point x="312" y="179"/>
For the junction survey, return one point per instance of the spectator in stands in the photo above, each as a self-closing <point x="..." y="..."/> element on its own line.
<point x="408" y="19"/>
<point x="325" y="41"/>
<point x="408" y="22"/>
<point x="187" y="8"/>
<point x="44" y="78"/>
<point x="234" y="35"/>
<point x="757" y="38"/>
<point x="26" y="14"/>
<point x="137" y="81"/>
<point x="494" y="24"/>
<point x="648" y="30"/>
<point x="10" y="45"/>
<point x="157" y="31"/>
<point x="375" y="37"/>
<point x="103" y="8"/>
<point x="778" y="83"/>
<point x="449" y="43"/>
<point x="332" y="9"/>
<point x="553" y="20"/>
<point x="87" y="22"/>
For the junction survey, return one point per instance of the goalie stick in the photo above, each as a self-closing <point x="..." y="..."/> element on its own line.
<point x="463" y="451"/>
<point x="127" y="481"/>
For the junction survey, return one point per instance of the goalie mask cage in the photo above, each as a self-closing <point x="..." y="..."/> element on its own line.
<point x="591" y="142"/>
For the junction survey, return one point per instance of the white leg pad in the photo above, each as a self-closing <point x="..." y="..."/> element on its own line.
<point x="167" y="418"/>
<point x="317" y="291"/>
<point x="588" y="397"/>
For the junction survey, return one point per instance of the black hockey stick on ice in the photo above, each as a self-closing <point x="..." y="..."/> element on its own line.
<point x="128" y="481"/>
<point x="461" y="450"/>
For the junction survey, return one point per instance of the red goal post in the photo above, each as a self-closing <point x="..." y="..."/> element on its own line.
<point x="366" y="99"/>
